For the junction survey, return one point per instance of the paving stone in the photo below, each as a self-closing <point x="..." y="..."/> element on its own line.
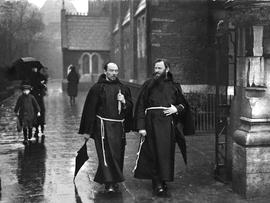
<point x="43" y="172"/>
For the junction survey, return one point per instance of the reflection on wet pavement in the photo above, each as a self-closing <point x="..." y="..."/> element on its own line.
<point x="31" y="169"/>
<point x="43" y="172"/>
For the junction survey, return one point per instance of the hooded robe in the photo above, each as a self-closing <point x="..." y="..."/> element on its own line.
<point x="73" y="80"/>
<point x="102" y="101"/>
<point x="156" y="158"/>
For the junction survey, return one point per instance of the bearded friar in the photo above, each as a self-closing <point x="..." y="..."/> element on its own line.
<point x="161" y="117"/>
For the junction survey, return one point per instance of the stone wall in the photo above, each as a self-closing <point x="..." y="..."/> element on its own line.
<point x="179" y="33"/>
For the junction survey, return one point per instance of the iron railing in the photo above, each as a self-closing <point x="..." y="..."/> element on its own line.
<point x="203" y="109"/>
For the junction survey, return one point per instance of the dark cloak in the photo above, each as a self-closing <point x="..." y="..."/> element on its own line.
<point x="38" y="82"/>
<point x="72" y="86"/>
<point x="157" y="153"/>
<point x="102" y="100"/>
<point x="27" y="107"/>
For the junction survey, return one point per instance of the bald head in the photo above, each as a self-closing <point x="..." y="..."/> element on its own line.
<point x="111" y="71"/>
<point x="111" y="65"/>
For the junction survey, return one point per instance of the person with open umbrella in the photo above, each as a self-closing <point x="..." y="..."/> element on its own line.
<point x="38" y="82"/>
<point x="162" y="117"/>
<point x="106" y="116"/>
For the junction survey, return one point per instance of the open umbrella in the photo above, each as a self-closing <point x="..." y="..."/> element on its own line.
<point x="21" y="68"/>
<point x="81" y="158"/>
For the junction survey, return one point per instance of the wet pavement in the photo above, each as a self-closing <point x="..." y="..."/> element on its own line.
<point x="43" y="172"/>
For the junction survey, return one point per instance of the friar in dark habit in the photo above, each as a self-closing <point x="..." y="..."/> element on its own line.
<point x="161" y="115"/>
<point x="106" y="116"/>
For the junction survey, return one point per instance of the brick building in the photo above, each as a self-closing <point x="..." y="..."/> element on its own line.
<point x="140" y="31"/>
<point x="86" y="40"/>
<point x="177" y="30"/>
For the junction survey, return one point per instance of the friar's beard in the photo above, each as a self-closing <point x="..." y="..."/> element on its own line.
<point x="159" y="76"/>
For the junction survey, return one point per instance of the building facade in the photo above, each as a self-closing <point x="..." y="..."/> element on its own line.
<point x="181" y="31"/>
<point x="134" y="33"/>
<point x="86" y="40"/>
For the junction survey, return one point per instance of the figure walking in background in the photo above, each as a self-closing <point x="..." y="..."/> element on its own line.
<point x="106" y="116"/>
<point x="72" y="87"/>
<point x="38" y="82"/>
<point x="27" y="109"/>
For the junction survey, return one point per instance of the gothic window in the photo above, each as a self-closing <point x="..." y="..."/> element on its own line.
<point x="95" y="63"/>
<point x="86" y="64"/>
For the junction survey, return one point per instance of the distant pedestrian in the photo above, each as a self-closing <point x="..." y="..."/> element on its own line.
<point x="73" y="81"/>
<point x="160" y="109"/>
<point x="38" y="82"/>
<point x="27" y="109"/>
<point x="106" y="116"/>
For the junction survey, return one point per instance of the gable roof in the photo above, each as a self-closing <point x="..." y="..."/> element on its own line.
<point x="84" y="32"/>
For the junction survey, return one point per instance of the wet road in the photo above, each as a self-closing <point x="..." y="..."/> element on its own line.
<point x="44" y="172"/>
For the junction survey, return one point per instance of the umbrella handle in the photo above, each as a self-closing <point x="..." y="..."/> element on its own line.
<point x="86" y="140"/>
<point x="119" y="104"/>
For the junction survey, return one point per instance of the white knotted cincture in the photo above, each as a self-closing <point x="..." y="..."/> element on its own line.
<point x="102" y="133"/>
<point x="142" y="139"/>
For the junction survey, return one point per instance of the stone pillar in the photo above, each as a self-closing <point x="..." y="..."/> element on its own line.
<point x="251" y="140"/>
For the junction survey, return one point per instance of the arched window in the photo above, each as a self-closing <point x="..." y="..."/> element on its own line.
<point x="86" y="64"/>
<point x="95" y="63"/>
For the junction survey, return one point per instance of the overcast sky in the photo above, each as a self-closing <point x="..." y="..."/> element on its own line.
<point x="80" y="5"/>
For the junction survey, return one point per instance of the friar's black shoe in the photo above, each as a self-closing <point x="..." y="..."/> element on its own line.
<point x="25" y="142"/>
<point x="164" y="185"/>
<point x="116" y="187"/>
<point x="109" y="188"/>
<point x="159" y="190"/>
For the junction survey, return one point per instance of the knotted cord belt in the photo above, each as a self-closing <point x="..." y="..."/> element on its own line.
<point x="142" y="139"/>
<point x="102" y="133"/>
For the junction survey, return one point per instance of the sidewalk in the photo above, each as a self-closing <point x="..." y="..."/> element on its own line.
<point x="44" y="172"/>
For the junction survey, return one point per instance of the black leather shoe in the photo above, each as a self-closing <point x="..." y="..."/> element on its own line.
<point x="109" y="188"/>
<point x="25" y="142"/>
<point x="116" y="187"/>
<point x="164" y="185"/>
<point x="159" y="190"/>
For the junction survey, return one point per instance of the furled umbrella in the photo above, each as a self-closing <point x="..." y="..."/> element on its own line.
<point x="81" y="158"/>
<point x="181" y="141"/>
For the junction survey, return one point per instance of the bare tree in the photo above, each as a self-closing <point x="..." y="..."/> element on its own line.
<point x="20" y="22"/>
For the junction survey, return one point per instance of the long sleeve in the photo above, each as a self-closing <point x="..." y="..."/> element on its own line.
<point x="35" y="104"/>
<point x="128" y="111"/>
<point x="139" y="115"/>
<point x="184" y="115"/>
